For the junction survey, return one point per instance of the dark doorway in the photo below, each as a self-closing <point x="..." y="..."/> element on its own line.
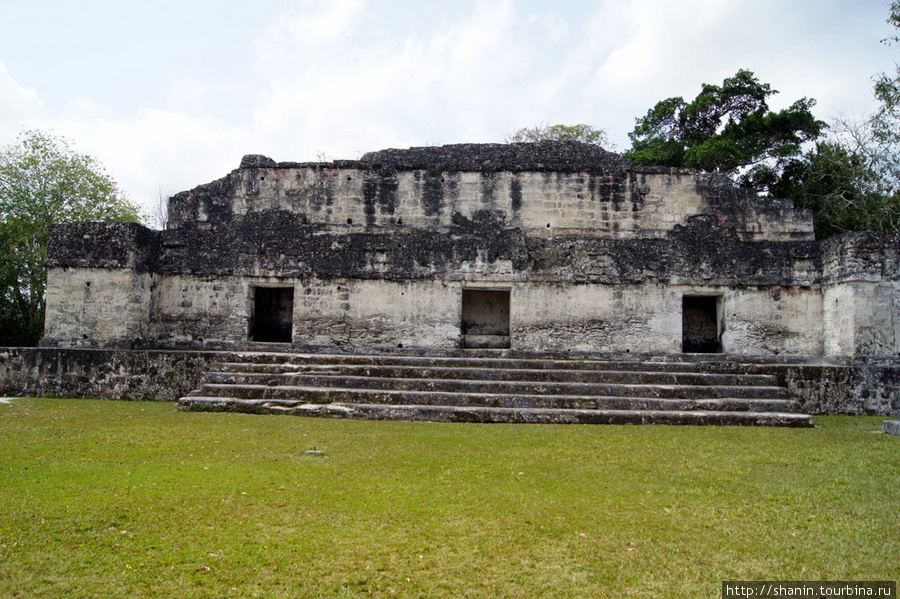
<point x="700" y="324"/>
<point x="273" y="314"/>
<point x="485" y="319"/>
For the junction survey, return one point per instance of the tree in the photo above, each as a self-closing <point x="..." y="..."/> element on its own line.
<point x="581" y="133"/>
<point x="158" y="218"/>
<point x="728" y="129"/>
<point x="852" y="180"/>
<point x="44" y="181"/>
<point x="839" y="183"/>
<point x="883" y="143"/>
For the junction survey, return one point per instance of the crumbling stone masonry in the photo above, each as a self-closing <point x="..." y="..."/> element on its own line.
<point x="548" y="247"/>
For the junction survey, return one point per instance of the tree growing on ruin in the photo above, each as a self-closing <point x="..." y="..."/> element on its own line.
<point x="580" y="133"/>
<point x="44" y="181"/>
<point x="727" y="128"/>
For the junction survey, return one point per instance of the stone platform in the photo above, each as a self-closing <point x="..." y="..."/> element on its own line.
<point x="487" y="389"/>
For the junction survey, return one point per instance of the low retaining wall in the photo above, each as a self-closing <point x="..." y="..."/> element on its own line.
<point x="858" y="388"/>
<point x="871" y="388"/>
<point x="101" y="373"/>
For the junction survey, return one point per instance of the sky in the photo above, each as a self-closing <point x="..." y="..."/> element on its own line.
<point x="170" y="94"/>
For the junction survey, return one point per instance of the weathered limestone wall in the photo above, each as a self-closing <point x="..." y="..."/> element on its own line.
<point x="191" y="310"/>
<point x="595" y="317"/>
<point x="861" y="295"/>
<point x="617" y="201"/>
<point x="641" y="319"/>
<point x="194" y="288"/>
<point x="772" y="321"/>
<point x="860" y="319"/>
<point x="861" y="387"/>
<point x="647" y="319"/>
<point x="99" y="284"/>
<point x="102" y="373"/>
<point x="376" y="290"/>
<point x="378" y="314"/>
<point x="87" y="307"/>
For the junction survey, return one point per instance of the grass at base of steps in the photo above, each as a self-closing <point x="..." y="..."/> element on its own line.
<point x="121" y="499"/>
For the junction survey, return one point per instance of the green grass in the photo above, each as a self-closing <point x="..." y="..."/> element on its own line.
<point x="117" y="499"/>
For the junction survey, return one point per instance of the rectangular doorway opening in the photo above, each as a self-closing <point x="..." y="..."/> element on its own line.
<point x="273" y="315"/>
<point x="700" y="324"/>
<point x="485" y="319"/>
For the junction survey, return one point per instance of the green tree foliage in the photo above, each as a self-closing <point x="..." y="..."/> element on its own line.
<point x="852" y="181"/>
<point x="883" y="143"/>
<point x="581" y="133"/>
<point x="840" y="182"/>
<point x="728" y="129"/>
<point x="43" y="181"/>
<point x="887" y="87"/>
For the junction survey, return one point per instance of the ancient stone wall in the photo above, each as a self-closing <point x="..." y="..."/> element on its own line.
<point x="98" y="307"/>
<point x="596" y="194"/>
<point x="584" y="251"/>
<point x="102" y="373"/>
<point x="861" y="295"/>
<point x="518" y="248"/>
<point x="371" y="291"/>
<point x="863" y="387"/>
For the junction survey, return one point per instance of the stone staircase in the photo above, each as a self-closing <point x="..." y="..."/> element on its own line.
<point x="487" y="389"/>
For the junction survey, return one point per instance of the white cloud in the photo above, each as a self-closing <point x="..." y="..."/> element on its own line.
<point x="154" y="151"/>
<point x="310" y="25"/>
<point x="186" y="94"/>
<point x="20" y="107"/>
<point x="159" y="151"/>
<point x="344" y="77"/>
<point x="642" y="51"/>
<point x="456" y="81"/>
<point x="667" y="48"/>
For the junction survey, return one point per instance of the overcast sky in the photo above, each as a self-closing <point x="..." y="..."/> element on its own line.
<point x="170" y="94"/>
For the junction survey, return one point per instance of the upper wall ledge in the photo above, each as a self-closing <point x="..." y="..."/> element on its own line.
<point x="540" y="156"/>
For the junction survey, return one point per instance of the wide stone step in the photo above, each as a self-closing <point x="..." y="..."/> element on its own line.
<point x="287" y="391"/>
<point x="444" y="413"/>
<point x="268" y="374"/>
<point x="498" y="389"/>
<point x="539" y="363"/>
<point x="326" y="395"/>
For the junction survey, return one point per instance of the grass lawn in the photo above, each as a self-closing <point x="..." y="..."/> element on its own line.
<point x="119" y="499"/>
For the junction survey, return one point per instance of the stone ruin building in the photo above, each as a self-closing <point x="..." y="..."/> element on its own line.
<point x="504" y="250"/>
